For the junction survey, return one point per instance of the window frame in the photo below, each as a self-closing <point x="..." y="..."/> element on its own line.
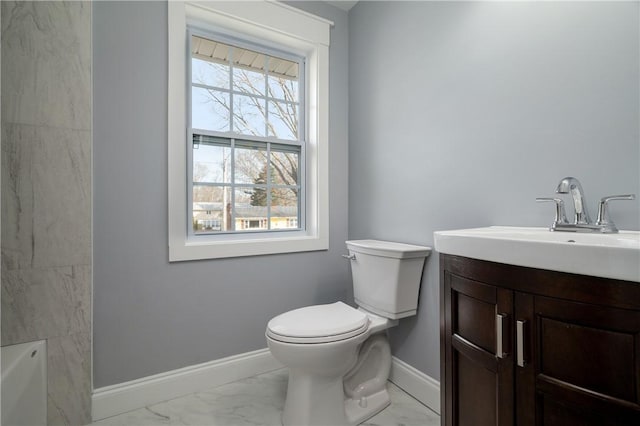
<point x="273" y="25"/>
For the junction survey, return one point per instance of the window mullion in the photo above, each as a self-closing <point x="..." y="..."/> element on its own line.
<point x="233" y="145"/>
<point x="231" y="94"/>
<point x="233" y="186"/>
<point x="208" y="87"/>
<point x="266" y="96"/>
<point x="268" y="185"/>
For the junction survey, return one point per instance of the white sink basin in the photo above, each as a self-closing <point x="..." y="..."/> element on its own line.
<point x="602" y="255"/>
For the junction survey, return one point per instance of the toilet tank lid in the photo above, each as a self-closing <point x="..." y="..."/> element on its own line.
<point x="388" y="249"/>
<point x="319" y="321"/>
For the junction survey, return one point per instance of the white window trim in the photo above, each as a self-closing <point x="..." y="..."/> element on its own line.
<point x="269" y="22"/>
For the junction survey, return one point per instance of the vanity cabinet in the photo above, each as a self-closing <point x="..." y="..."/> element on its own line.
<point x="523" y="346"/>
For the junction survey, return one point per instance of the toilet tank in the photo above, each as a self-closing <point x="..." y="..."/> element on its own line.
<point x="386" y="276"/>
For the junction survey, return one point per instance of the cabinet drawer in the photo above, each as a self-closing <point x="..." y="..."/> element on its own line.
<point x="553" y="413"/>
<point x="475" y="322"/>
<point x="594" y="348"/>
<point x="592" y="358"/>
<point x="474" y="311"/>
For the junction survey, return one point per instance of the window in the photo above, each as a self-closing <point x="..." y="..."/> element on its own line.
<point x="247" y="137"/>
<point x="248" y="130"/>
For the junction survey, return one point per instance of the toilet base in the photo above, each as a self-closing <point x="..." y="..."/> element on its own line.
<point x="358" y="411"/>
<point x="314" y="400"/>
<point x="328" y="406"/>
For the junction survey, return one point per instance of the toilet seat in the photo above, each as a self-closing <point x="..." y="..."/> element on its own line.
<point x="318" y="324"/>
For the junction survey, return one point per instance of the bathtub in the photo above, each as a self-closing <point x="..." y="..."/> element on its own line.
<point x="24" y="384"/>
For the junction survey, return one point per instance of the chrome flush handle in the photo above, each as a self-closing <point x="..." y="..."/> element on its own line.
<point x="349" y="256"/>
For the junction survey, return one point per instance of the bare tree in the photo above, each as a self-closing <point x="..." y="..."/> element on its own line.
<point x="283" y="165"/>
<point x="263" y="105"/>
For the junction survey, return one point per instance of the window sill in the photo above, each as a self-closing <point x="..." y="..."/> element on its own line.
<point x="198" y="250"/>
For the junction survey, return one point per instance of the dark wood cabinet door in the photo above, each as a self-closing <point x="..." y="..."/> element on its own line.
<point x="570" y="347"/>
<point x="478" y="373"/>
<point x="582" y="364"/>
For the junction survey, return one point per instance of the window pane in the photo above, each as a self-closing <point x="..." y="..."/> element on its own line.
<point x="250" y="162"/>
<point x="211" y="163"/>
<point x="210" y="73"/>
<point x="248" y="81"/>
<point x="209" y="109"/>
<point x="240" y="184"/>
<point x="283" y="88"/>
<point x="284" y="208"/>
<point x="284" y="69"/>
<point x="249" y="70"/>
<point x="210" y="59"/>
<point x="283" y="120"/>
<point x="248" y="115"/>
<point x="251" y="209"/>
<point x="209" y="209"/>
<point x="284" y="165"/>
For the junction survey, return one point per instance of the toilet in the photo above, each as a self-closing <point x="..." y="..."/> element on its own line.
<point x="339" y="356"/>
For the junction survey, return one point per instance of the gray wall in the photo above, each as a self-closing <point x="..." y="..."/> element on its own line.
<point x="46" y="194"/>
<point x="462" y="113"/>
<point x="151" y="316"/>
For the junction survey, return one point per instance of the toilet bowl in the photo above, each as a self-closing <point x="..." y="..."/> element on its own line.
<point x="338" y="356"/>
<point x="339" y="362"/>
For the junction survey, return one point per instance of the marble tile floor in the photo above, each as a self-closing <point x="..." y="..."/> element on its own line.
<point x="257" y="401"/>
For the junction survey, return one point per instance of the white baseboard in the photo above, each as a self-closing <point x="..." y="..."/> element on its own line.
<point x="123" y="397"/>
<point x="417" y="384"/>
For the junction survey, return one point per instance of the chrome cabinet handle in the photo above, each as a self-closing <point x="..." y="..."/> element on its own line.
<point x="349" y="256"/>
<point x="520" y="329"/>
<point x="500" y="318"/>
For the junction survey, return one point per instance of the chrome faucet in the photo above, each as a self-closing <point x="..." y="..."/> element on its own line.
<point x="582" y="221"/>
<point x="572" y="185"/>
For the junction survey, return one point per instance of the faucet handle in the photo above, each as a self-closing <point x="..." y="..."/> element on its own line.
<point x="602" y="210"/>
<point x="561" y="216"/>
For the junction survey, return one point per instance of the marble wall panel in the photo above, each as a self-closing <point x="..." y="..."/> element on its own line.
<point x="46" y="174"/>
<point x="46" y="193"/>
<point x="44" y="303"/>
<point x="17" y="204"/>
<point x="69" y="380"/>
<point x="46" y="63"/>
